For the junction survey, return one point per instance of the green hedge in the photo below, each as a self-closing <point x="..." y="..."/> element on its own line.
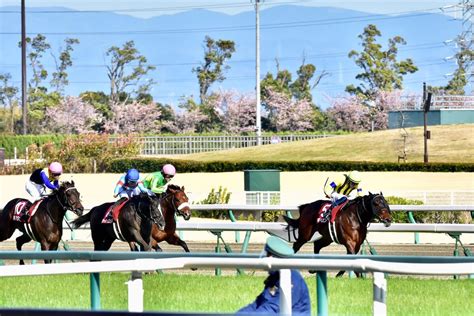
<point x="187" y="166"/>
<point x="21" y="142"/>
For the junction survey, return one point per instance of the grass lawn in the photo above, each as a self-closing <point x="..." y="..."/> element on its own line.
<point x="448" y="143"/>
<point x="226" y="294"/>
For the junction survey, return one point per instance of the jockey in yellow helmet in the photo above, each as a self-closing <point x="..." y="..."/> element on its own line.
<point x="341" y="187"/>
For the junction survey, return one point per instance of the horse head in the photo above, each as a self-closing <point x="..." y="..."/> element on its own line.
<point x="69" y="197"/>
<point x="179" y="200"/>
<point x="380" y="208"/>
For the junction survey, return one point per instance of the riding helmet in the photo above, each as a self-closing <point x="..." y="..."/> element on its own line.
<point x="354" y="176"/>
<point x="56" y="168"/>
<point x="132" y="175"/>
<point x="169" y="170"/>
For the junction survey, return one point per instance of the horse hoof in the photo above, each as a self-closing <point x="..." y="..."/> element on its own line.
<point x="312" y="271"/>
<point x="194" y="269"/>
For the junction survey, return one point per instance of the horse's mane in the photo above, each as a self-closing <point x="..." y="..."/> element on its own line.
<point x="174" y="187"/>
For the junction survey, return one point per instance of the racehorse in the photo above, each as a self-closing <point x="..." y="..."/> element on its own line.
<point x="348" y="228"/>
<point x="173" y="201"/>
<point x="45" y="223"/>
<point x="132" y="223"/>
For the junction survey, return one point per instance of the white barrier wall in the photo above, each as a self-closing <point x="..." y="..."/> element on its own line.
<point x="296" y="187"/>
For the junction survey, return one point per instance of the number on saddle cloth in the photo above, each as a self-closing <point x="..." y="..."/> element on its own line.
<point x="23" y="212"/>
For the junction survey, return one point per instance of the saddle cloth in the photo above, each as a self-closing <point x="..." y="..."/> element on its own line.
<point x="335" y="210"/>
<point x="21" y="210"/>
<point x="113" y="212"/>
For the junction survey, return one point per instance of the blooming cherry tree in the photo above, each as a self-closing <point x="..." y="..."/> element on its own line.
<point x="71" y="116"/>
<point x="237" y="111"/>
<point x="133" y="117"/>
<point x="287" y="114"/>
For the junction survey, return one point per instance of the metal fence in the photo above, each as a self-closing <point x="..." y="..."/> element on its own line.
<point x="181" y="145"/>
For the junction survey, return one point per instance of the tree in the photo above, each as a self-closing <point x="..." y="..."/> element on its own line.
<point x="302" y="86"/>
<point x="132" y="117"/>
<point x="286" y="114"/>
<point x="60" y="76"/>
<point x="212" y="69"/>
<point x="71" y="116"/>
<point x="36" y="46"/>
<point x="283" y="83"/>
<point x="120" y="78"/>
<point x="381" y="70"/>
<point x="8" y="97"/>
<point x="236" y="111"/>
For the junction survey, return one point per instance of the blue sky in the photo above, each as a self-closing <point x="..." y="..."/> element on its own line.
<point x="149" y="8"/>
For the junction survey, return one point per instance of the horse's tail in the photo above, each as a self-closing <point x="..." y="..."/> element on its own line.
<point x="291" y="221"/>
<point x="81" y="220"/>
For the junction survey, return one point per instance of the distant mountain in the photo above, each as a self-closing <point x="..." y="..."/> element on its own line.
<point x="174" y="43"/>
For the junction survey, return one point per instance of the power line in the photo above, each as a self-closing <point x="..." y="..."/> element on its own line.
<point x="413" y="47"/>
<point x="296" y="24"/>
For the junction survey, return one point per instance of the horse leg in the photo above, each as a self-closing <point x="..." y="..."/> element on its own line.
<point x="351" y="249"/>
<point x="318" y="245"/>
<point x="144" y="245"/>
<point x="46" y="246"/>
<point x="103" y="244"/>
<point x="175" y="240"/>
<point x="20" y="241"/>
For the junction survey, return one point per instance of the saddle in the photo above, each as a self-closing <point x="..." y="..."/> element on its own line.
<point x="334" y="211"/>
<point x="112" y="213"/>
<point x="23" y="213"/>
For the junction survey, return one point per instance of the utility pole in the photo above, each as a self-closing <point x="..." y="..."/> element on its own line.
<point x="257" y="72"/>
<point x="426" y="132"/>
<point x="464" y="42"/>
<point x="23" y="68"/>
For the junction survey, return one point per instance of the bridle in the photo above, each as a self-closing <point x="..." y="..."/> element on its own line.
<point x="176" y="209"/>
<point x="67" y="205"/>
<point x="372" y="207"/>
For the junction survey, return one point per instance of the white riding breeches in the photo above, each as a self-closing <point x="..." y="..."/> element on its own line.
<point x="37" y="191"/>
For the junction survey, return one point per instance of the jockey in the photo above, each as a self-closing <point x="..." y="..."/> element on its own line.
<point x="158" y="181"/>
<point x="341" y="188"/>
<point x="129" y="185"/>
<point x="43" y="179"/>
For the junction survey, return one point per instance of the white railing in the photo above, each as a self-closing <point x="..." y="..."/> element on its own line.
<point x="180" y="145"/>
<point x="135" y="286"/>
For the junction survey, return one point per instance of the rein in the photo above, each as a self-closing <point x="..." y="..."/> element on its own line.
<point x="65" y="208"/>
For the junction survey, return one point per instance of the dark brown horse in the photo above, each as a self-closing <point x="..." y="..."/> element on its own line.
<point x="45" y="225"/>
<point x="133" y="223"/>
<point x="173" y="201"/>
<point x="349" y="227"/>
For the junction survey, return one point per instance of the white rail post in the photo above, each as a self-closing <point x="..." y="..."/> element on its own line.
<point x="285" y="292"/>
<point x="135" y="292"/>
<point x="380" y="294"/>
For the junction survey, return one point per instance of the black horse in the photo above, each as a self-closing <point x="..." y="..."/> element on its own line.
<point x="133" y="223"/>
<point x="45" y="225"/>
<point x="173" y="201"/>
<point x="349" y="227"/>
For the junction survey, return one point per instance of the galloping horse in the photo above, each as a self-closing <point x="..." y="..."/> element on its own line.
<point x="45" y="223"/>
<point x="133" y="223"/>
<point x="174" y="200"/>
<point x="348" y="228"/>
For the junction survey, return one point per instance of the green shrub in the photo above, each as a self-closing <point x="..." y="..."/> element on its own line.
<point x="188" y="166"/>
<point x="437" y="217"/>
<point x="401" y="216"/>
<point x="221" y="196"/>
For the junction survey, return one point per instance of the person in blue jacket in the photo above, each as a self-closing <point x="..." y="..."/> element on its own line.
<point x="268" y="301"/>
<point x="130" y="185"/>
<point x="42" y="181"/>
